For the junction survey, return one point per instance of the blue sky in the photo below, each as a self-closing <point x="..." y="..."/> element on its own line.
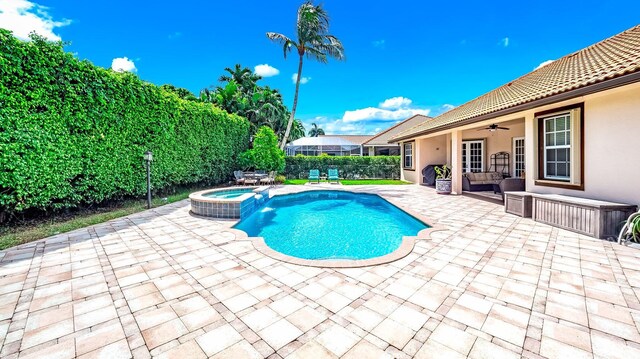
<point x="403" y="57"/>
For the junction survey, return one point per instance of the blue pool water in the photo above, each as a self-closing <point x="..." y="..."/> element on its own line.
<point x="331" y="225"/>
<point x="233" y="193"/>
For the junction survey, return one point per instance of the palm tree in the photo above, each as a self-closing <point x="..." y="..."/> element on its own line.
<point x="314" y="41"/>
<point x="297" y="130"/>
<point x="315" y="131"/>
<point x="243" y="76"/>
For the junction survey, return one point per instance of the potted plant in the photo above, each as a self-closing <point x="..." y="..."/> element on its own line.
<point x="443" y="179"/>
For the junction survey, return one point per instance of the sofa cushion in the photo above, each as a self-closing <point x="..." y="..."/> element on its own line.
<point x="494" y="176"/>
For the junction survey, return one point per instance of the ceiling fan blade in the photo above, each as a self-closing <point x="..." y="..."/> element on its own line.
<point x="502" y="128"/>
<point x="483" y="129"/>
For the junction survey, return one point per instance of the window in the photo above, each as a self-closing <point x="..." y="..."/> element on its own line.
<point x="408" y="155"/>
<point x="518" y="157"/>
<point x="473" y="156"/>
<point x="560" y="140"/>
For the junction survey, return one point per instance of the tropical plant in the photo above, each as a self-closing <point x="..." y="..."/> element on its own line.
<point x="442" y="172"/>
<point x="265" y="154"/>
<point x="314" y="41"/>
<point x="297" y="130"/>
<point x="315" y="131"/>
<point x="240" y="94"/>
<point x="243" y="76"/>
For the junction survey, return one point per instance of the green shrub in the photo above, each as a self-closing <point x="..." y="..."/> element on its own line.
<point x="73" y="133"/>
<point x="349" y="167"/>
<point x="265" y="154"/>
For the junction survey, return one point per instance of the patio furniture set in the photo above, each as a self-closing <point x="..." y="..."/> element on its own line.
<point x="253" y="178"/>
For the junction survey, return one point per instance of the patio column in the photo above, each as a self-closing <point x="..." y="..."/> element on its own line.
<point x="456" y="162"/>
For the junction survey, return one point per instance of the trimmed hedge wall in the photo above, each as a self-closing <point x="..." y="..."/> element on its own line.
<point x="349" y="167"/>
<point x="73" y="133"/>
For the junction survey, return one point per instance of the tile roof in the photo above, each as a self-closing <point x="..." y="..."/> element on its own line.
<point x="382" y="138"/>
<point x="611" y="58"/>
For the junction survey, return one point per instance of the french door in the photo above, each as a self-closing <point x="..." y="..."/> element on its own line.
<point x="473" y="156"/>
<point x="518" y="156"/>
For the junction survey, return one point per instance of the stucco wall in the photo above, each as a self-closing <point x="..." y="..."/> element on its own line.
<point x="611" y="147"/>
<point x="427" y="151"/>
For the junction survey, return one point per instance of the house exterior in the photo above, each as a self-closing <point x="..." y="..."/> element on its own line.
<point x="379" y="145"/>
<point x="571" y="127"/>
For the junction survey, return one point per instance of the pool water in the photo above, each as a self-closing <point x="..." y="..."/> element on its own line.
<point x="331" y="225"/>
<point x="228" y="194"/>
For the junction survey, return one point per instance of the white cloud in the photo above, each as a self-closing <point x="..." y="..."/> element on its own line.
<point x="303" y="80"/>
<point x="505" y="42"/>
<point x="265" y="70"/>
<point x="544" y="63"/>
<point x="23" y="17"/>
<point x="391" y="109"/>
<point x="374" y="113"/>
<point x="395" y="102"/>
<point x="447" y="107"/>
<point x="378" y="43"/>
<point x="123" y="64"/>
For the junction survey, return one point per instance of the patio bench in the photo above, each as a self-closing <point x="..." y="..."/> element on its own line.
<point x="594" y="218"/>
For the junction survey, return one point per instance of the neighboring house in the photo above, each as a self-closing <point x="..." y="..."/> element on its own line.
<point x="333" y="145"/>
<point x="573" y="127"/>
<point x="379" y="145"/>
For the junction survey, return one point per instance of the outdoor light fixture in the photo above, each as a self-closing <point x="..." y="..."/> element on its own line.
<point x="148" y="157"/>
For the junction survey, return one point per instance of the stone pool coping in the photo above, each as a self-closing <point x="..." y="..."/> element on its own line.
<point x="199" y="196"/>
<point x="405" y="248"/>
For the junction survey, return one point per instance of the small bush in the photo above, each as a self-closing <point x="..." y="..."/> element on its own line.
<point x="349" y="167"/>
<point x="265" y="154"/>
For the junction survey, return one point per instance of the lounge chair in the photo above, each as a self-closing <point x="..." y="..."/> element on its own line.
<point x="333" y="175"/>
<point x="239" y="176"/>
<point x="314" y="175"/>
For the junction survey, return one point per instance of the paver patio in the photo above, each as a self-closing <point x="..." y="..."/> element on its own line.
<point x="164" y="283"/>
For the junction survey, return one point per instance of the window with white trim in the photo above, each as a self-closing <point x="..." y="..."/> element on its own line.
<point x="561" y="157"/>
<point x="408" y="155"/>
<point x="557" y="147"/>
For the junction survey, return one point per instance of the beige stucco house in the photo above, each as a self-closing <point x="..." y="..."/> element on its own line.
<point x="572" y="127"/>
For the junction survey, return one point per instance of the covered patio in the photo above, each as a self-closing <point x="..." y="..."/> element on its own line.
<point x="164" y="283"/>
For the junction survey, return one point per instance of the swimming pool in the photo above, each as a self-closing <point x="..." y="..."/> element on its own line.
<point x="320" y="225"/>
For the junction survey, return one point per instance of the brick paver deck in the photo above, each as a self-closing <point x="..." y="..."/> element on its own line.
<point x="163" y="283"/>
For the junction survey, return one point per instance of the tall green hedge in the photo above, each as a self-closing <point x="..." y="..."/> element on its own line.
<point x="73" y="133"/>
<point x="348" y="166"/>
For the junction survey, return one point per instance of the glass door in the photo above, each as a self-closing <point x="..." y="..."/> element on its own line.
<point x="473" y="156"/>
<point x="518" y="156"/>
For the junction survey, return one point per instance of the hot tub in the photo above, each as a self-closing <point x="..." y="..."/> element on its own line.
<point x="229" y="202"/>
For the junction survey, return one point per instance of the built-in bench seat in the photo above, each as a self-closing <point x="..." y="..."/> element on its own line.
<point x="591" y="217"/>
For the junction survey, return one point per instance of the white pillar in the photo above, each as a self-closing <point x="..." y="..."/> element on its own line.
<point x="456" y="162"/>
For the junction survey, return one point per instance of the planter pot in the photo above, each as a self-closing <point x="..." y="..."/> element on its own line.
<point x="443" y="186"/>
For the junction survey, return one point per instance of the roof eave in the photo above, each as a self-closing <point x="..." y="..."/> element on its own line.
<point x="563" y="96"/>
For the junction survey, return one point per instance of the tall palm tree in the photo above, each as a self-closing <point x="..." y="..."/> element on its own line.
<point x="314" y="41"/>
<point x="315" y="131"/>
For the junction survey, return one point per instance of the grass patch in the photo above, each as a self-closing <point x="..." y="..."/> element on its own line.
<point x="372" y="182"/>
<point x="296" y="182"/>
<point x="38" y="229"/>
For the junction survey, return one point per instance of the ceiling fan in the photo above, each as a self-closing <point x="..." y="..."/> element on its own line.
<point x="493" y="128"/>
